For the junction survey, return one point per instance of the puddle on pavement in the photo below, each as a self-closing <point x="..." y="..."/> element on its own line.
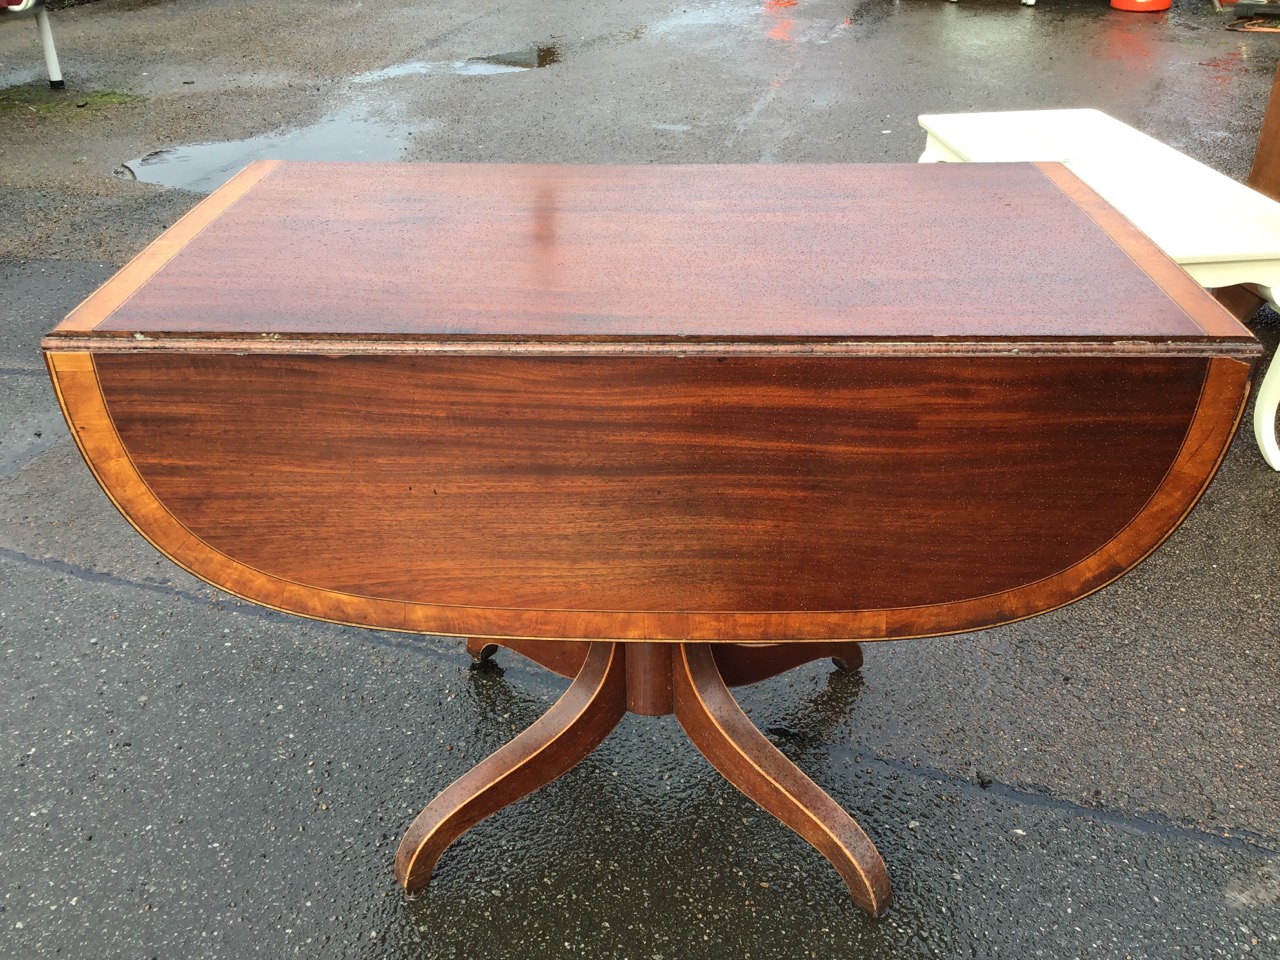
<point x="517" y="61"/>
<point x="348" y="134"/>
<point x="203" y="167"/>
<point x="532" y="57"/>
<point x="714" y="16"/>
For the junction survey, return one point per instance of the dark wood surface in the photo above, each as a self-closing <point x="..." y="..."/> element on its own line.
<point x="1265" y="175"/>
<point x="741" y="251"/>
<point x="1241" y="301"/>
<point x="740" y="664"/>
<point x="554" y="744"/>
<point x="750" y="484"/>
<point x="655" y="497"/>
<point x="720" y="730"/>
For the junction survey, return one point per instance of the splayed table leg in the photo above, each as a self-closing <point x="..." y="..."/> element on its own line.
<point x="721" y="731"/>
<point x="554" y="744"/>
<point x="690" y="679"/>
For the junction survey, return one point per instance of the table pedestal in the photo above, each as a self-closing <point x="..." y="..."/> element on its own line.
<point x="690" y="680"/>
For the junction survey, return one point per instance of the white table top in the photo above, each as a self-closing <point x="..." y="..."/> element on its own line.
<point x="1193" y="212"/>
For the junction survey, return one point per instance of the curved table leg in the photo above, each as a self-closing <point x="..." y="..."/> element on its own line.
<point x="550" y="747"/>
<point x="1265" y="408"/>
<point x="563" y="657"/>
<point x="741" y="663"/>
<point x="721" y="731"/>
<point x="1267" y="404"/>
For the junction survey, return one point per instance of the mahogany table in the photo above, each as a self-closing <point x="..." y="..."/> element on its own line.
<point x="663" y="430"/>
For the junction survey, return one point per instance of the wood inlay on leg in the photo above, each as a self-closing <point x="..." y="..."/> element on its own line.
<point x="554" y="744"/>
<point x="717" y="726"/>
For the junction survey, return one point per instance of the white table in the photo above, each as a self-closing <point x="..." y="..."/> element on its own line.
<point x="1219" y="231"/>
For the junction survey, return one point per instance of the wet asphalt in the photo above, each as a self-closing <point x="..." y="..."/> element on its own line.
<point x="185" y="775"/>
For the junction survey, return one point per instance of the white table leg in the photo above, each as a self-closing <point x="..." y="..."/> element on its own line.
<point x="1267" y="403"/>
<point x="936" y="152"/>
<point x="1265" y="408"/>
<point x="50" y="52"/>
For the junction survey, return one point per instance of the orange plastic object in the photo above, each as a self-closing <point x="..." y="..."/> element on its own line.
<point x="1141" y="6"/>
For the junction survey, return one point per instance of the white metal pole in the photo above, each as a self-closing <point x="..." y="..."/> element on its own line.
<point x="50" y="52"/>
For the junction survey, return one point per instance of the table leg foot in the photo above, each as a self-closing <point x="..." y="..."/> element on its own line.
<point x="721" y="731"/>
<point x="554" y="744"/>
<point x="563" y="657"/>
<point x="481" y="650"/>
<point x="741" y="663"/>
<point x="850" y="662"/>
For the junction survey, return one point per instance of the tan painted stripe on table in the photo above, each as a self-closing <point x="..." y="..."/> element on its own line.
<point x="111" y="295"/>
<point x="1209" y="315"/>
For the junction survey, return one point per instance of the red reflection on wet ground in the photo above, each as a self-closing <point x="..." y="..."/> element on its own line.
<point x="782" y="30"/>
<point x="1133" y="43"/>
<point x="1223" y="70"/>
<point x="778" y="23"/>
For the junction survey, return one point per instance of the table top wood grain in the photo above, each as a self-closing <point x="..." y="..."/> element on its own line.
<point x="743" y="252"/>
